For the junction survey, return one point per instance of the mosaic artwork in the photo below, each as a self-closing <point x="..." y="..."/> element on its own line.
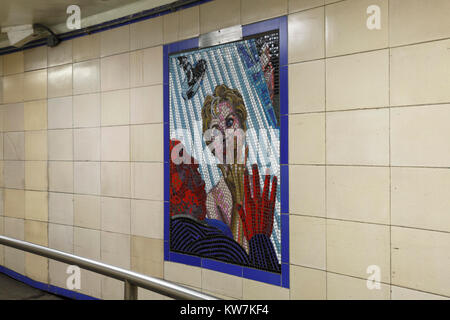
<point x="225" y="152"/>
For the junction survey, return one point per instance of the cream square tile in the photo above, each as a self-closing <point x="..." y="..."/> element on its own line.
<point x="60" y="237"/>
<point x="308" y="284"/>
<point x="150" y="295"/>
<point x="36" y="267"/>
<point x="86" y="211"/>
<point x="86" y="77"/>
<point x="358" y="194"/>
<point x="146" y="67"/>
<point x="35" y="85"/>
<point x="147" y="142"/>
<point x="421" y="260"/>
<point x="307" y="190"/>
<point x="13" y="88"/>
<point x="36" y="232"/>
<point x="115" y="41"/>
<point x="115" y="107"/>
<point x="14" y="228"/>
<point x="61" y="54"/>
<point x="86" y="47"/>
<point x="219" y="14"/>
<point x="146" y="33"/>
<point x="59" y="81"/>
<point x="36" y="205"/>
<point x="346" y="26"/>
<point x="221" y="283"/>
<point x="15" y="260"/>
<point x="308" y="241"/>
<point x="1" y="65"/>
<point x="35" y="115"/>
<point x="35" y="58"/>
<point x="358" y="81"/>
<point x="255" y="290"/>
<point x="399" y="293"/>
<point x="147" y="256"/>
<point x="257" y="10"/>
<point x="115" y="72"/>
<point x="340" y="287"/>
<point x="306" y="32"/>
<point x="171" y="25"/>
<point x="115" y="143"/>
<point x="14" y="146"/>
<point x="147" y="219"/>
<point x="14" y="117"/>
<point x="116" y="215"/>
<point x="352" y="247"/>
<point x="115" y="179"/>
<point x="60" y="144"/>
<point x="420" y="136"/>
<point x="112" y="289"/>
<point x="86" y="243"/>
<point x="189" y="25"/>
<point x="183" y="274"/>
<point x="14" y="205"/>
<point x="87" y="144"/>
<point x="358" y="137"/>
<point x="307" y="138"/>
<point x="91" y="284"/>
<point x="420" y="74"/>
<point x="57" y="273"/>
<point x="147" y="181"/>
<point x="307" y="87"/>
<point x="87" y="177"/>
<point x="13" y="63"/>
<point x="60" y="113"/>
<point x="431" y="21"/>
<point x="14" y="174"/>
<point x="36" y="145"/>
<point x="300" y="5"/>
<point x="420" y="198"/>
<point x="116" y="249"/>
<point x="60" y="207"/>
<point x="60" y="176"/>
<point x="86" y="110"/>
<point x="146" y="105"/>
<point x="36" y="175"/>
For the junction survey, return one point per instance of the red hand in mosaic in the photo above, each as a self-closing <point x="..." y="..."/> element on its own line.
<point x="257" y="212"/>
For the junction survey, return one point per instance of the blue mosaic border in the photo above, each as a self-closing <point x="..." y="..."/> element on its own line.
<point x="232" y="269"/>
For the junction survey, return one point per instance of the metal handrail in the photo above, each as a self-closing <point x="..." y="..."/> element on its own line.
<point x="132" y="279"/>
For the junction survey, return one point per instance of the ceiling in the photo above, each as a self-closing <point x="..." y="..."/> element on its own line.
<point x="52" y="13"/>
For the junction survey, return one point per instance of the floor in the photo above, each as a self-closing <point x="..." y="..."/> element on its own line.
<point x="11" y="289"/>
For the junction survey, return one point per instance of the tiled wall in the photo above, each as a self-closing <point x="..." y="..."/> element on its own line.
<point x="369" y="150"/>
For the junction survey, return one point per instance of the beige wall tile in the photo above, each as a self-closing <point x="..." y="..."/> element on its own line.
<point x="87" y="211"/>
<point x="115" y="107"/>
<point x="14" y="259"/>
<point x="36" y="232"/>
<point x="145" y="67"/>
<point x="183" y="274"/>
<point x="420" y="136"/>
<point x="115" y="179"/>
<point x="255" y="290"/>
<point x="146" y="105"/>
<point x="306" y="32"/>
<point x="87" y="177"/>
<point x="399" y="293"/>
<point x="358" y="193"/>
<point x="87" y="144"/>
<point x="1" y="65"/>
<point x="57" y="273"/>
<point x="150" y="295"/>
<point x="307" y="138"/>
<point x="171" y="25"/>
<point x="147" y="181"/>
<point x="358" y="81"/>
<point x="35" y="85"/>
<point x="147" y="256"/>
<point x="352" y="247"/>
<point x="60" y="207"/>
<point x="420" y="74"/>
<point x="36" y="267"/>
<point x="86" y="77"/>
<point x="14" y="146"/>
<point x="420" y="198"/>
<point x="14" y="204"/>
<point x="221" y="283"/>
<point x="112" y="289"/>
<point x="116" y="215"/>
<point x="36" y="175"/>
<point x="86" y="110"/>
<point x="115" y="72"/>
<point x="13" y="174"/>
<point x="60" y="176"/>
<point x="13" y="63"/>
<point x="35" y="58"/>
<point x="189" y="25"/>
<point x="60" y="144"/>
<point x="35" y="115"/>
<point x="86" y="243"/>
<point x="307" y="284"/>
<point x="61" y="54"/>
<point x="60" y="237"/>
<point x="115" y="143"/>
<point x="116" y="249"/>
<point x="257" y="10"/>
<point x="115" y="41"/>
<point x="91" y="284"/>
<point x="307" y="87"/>
<point x="36" y="205"/>
<point x="13" y="88"/>
<point x="146" y="33"/>
<point x="421" y="260"/>
<point x="147" y="142"/>
<point x="358" y="137"/>
<point x="14" y="117"/>
<point x="416" y="21"/>
<point x="308" y="241"/>
<point x="346" y="26"/>
<point x="340" y="287"/>
<point x="147" y="219"/>
<point x="36" y="145"/>
<point x="59" y="81"/>
<point x="219" y="14"/>
<point x="307" y="190"/>
<point x="300" y="5"/>
<point x="86" y="47"/>
<point x="60" y="112"/>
